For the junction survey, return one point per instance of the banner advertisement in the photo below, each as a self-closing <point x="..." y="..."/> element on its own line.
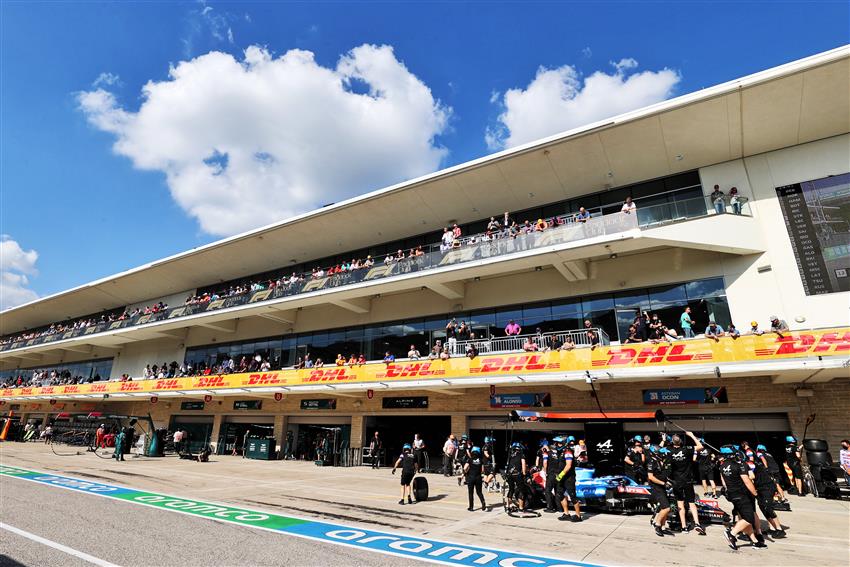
<point x="684" y="396"/>
<point x="322" y="404"/>
<point x="414" y="402"/>
<point x="502" y="401"/>
<point x="248" y="404"/>
<point x="192" y="406"/>
<point x="749" y="348"/>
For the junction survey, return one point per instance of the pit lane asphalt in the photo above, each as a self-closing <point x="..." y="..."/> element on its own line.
<point x="125" y="534"/>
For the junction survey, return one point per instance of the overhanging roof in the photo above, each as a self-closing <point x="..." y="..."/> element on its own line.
<point x="799" y="102"/>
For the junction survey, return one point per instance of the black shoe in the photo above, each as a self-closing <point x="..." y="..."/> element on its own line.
<point x="658" y="531"/>
<point x="484" y="508"/>
<point x="700" y="530"/>
<point x="575" y="518"/>
<point x="564" y="518"/>
<point x="733" y="543"/>
<point x="401" y="501"/>
<point x="458" y="481"/>
<point x="471" y="509"/>
<point x="409" y="500"/>
<point x="550" y="510"/>
<point x="778" y="534"/>
<point x="758" y="545"/>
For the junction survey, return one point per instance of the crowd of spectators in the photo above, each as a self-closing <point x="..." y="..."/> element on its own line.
<point x="43" y="377"/>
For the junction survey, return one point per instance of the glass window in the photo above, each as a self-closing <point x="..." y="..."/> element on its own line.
<point x="597" y="303"/>
<point x="667" y="296"/>
<point x="705" y="288"/>
<point x="503" y="316"/>
<point x="632" y="299"/>
<point x="535" y="315"/>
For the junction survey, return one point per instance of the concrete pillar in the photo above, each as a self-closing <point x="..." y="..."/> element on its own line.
<point x="279" y="432"/>
<point x="460" y="425"/>
<point x="358" y="425"/>
<point x="216" y="428"/>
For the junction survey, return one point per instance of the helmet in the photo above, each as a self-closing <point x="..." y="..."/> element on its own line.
<point x="638" y="439"/>
<point x="544" y="442"/>
<point x="463" y="437"/>
<point x="516" y="445"/>
<point x="559" y="439"/>
<point x="571" y="439"/>
<point x="761" y="448"/>
<point x="727" y="450"/>
<point x="476" y="450"/>
<point x="488" y="440"/>
<point x="754" y="323"/>
<point x="406" y="447"/>
<point x="790" y="439"/>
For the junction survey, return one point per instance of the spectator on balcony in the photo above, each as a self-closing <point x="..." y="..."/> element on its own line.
<point x="687" y="324"/>
<point x="340" y="360"/>
<point x="368" y="262"/>
<point x="308" y="362"/>
<point x="493" y="225"/>
<point x="735" y="200"/>
<point x="471" y="351"/>
<point x="554" y="343"/>
<point x="463" y="331"/>
<point x="732" y="331"/>
<point x="718" y="198"/>
<point x="569" y="343"/>
<point x="361" y="360"/>
<point x="714" y="331"/>
<point x="265" y="365"/>
<point x="435" y="353"/>
<point x="582" y="215"/>
<point x="641" y="324"/>
<point x="507" y="220"/>
<point x="413" y="353"/>
<point x="540" y="225"/>
<point x="352" y="360"/>
<point x="629" y="206"/>
<point x="447" y="240"/>
<point x="389" y="358"/>
<point x="633" y="336"/>
<point x="778" y="326"/>
<point x="754" y="329"/>
<point x="451" y="333"/>
<point x="529" y="345"/>
<point x="512" y="329"/>
<point x="591" y="334"/>
<point x="445" y="354"/>
<point x="319" y="363"/>
<point x="456" y="232"/>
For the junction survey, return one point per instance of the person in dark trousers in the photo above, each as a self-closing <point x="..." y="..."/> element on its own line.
<point x="567" y="480"/>
<point x="119" y="445"/>
<point x="552" y="471"/>
<point x="516" y="471"/>
<point x="375" y="450"/>
<point x="773" y="468"/>
<point x="765" y="491"/>
<point x="681" y="459"/>
<point x="659" y="481"/>
<point x="741" y="492"/>
<point x="793" y="458"/>
<point x="473" y="470"/>
<point x="409" y="468"/>
<point x="705" y="466"/>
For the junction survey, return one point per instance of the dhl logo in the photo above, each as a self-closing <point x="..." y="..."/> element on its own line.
<point x="47" y="390"/>
<point x="27" y="391"/>
<point x="99" y="388"/>
<point x="264" y="379"/>
<point x="8" y="392"/>
<point x="210" y="382"/>
<point x="518" y="363"/>
<point x="130" y="386"/>
<point x="171" y="384"/>
<point x="808" y="344"/>
<point x="71" y="389"/>
<point x="651" y="355"/>
<point x="329" y="375"/>
<point x="412" y="370"/>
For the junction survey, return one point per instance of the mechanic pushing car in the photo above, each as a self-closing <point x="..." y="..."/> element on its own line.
<point x="765" y="491"/>
<point x="774" y="469"/>
<point x="741" y="492"/>
<point x="552" y="469"/>
<point x="659" y="480"/>
<point x="635" y="460"/>
<point x="681" y="457"/>
<point x="516" y="471"/>
<point x="793" y="458"/>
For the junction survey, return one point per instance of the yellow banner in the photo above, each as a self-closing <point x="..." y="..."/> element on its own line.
<point x="801" y="344"/>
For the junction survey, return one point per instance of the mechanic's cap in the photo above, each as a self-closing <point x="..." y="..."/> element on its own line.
<point x="774" y="318"/>
<point x="463" y="437"/>
<point x="638" y="439"/>
<point x="476" y="450"/>
<point x="406" y="447"/>
<point x="727" y="450"/>
<point x="790" y="439"/>
<point x="570" y="438"/>
<point x="754" y="323"/>
<point x="761" y="448"/>
<point x="516" y="445"/>
<point x="559" y="439"/>
<point x="544" y="442"/>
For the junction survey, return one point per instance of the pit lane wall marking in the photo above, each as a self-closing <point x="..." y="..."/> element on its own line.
<point x="401" y="545"/>
<point x="798" y="344"/>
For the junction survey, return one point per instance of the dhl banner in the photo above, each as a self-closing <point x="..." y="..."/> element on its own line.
<point x="802" y="344"/>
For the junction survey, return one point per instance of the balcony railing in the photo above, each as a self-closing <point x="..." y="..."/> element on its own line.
<point x="560" y="230"/>
<point x="515" y="343"/>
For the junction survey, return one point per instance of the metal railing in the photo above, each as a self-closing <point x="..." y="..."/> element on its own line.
<point x="559" y="230"/>
<point x="515" y="343"/>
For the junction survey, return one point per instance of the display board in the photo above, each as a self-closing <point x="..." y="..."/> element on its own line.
<point x="817" y="216"/>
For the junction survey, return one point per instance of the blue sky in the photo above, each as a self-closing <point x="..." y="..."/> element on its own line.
<point x="89" y="210"/>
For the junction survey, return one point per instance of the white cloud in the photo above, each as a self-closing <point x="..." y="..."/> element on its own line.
<point x="106" y="79"/>
<point x="15" y="264"/>
<point x="246" y="143"/>
<point x="560" y="99"/>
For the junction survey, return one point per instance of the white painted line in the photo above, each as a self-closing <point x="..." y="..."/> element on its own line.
<point x="63" y="548"/>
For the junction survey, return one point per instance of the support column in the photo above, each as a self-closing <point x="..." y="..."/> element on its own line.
<point x="358" y="424"/>
<point x="460" y="424"/>
<point x="216" y="428"/>
<point x="279" y="433"/>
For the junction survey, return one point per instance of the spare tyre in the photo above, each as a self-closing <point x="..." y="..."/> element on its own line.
<point x="818" y="458"/>
<point x="815" y="445"/>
